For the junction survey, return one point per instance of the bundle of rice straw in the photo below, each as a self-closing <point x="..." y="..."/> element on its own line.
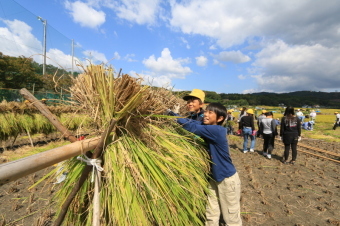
<point x="155" y="172"/>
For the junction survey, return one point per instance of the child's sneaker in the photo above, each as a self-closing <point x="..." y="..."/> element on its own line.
<point x="264" y="153"/>
<point x="245" y="151"/>
<point x="251" y="150"/>
<point x="269" y="156"/>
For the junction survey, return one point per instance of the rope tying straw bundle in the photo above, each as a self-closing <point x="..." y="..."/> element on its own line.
<point x="96" y="163"/>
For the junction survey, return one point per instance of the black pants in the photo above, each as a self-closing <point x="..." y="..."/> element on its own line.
<point x="336" y="125"/>
<point x="268" y="143"/>
<point x="290" y="141"/>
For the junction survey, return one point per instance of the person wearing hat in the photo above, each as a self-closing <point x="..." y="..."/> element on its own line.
<point x="195" y="102"/>
<point x="229" y="121"/>
<point x="312" y="116"/>
<point x="43" y="100"/>
<point x="300" y="115"/>
<point x="337" y="120"/>
<point x="259" y="119"/>
<point x="269" y="131"/>
<point x="246" y="125"/>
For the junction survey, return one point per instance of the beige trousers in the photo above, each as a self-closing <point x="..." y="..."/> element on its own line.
<point x="224" y="198"/>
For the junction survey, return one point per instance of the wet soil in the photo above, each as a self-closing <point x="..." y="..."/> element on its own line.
<point x="307" y="193"/>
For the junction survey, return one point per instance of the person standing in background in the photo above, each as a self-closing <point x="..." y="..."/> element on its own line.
<point x="312" y="116"/>
<point x="337" y="120"/>
<point x="242" y="113"/>
<point x="290" y="133"/>
<point x="268" y="131"/>
<point x="259" y="119"/>
<point x="300" y="115"/>
<point x="246" y="125"/>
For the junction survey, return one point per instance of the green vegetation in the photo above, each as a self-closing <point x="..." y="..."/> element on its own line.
<point x="298" y="99"/>
<point x="21" y="72"/>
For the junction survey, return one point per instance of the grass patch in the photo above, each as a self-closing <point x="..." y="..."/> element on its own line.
<point x="28" y="150"/>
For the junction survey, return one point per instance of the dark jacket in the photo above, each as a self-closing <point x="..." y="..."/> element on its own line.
<point x="290" y="126"/>
<point x="197" y="116"/>
<point x="246" y="121"/>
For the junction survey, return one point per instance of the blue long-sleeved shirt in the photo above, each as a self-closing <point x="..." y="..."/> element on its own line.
<point x="215" y="136"/>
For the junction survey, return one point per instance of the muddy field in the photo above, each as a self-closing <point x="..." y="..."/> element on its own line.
<point x="307" y="193"/>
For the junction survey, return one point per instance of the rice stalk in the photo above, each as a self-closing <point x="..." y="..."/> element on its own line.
<point x="155" y="173"/>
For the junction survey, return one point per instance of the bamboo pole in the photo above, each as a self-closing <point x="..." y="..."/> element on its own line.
<point x="22" y="167"/>
<point x="48" y="114"/>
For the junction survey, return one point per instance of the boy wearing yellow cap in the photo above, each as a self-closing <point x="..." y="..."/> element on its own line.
<point x="195" y="102"/>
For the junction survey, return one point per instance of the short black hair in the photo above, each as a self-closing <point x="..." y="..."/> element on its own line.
<point x="219" y="109"/>
<point x="268" y="113"/>
<point x="192" y="98"/>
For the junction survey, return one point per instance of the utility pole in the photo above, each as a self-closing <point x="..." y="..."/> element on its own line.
<point x="44" y="44"/>
<point x="72" y="54"/>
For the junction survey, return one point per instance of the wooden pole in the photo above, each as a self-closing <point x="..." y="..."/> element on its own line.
<point x="22" y="167"/>
<point x="48" y="114"/>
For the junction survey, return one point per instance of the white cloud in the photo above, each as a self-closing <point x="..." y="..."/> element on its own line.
<point x="167" y="66"/>
<point x="185" y="42"/>
<point x="140" y="12"/>
<point x="201" y="61"/>
<point x="17" y="40"/>
<point x="159" y="81"/>
<point x="232" y="56"/>
<point x="95" y="56"/>
<point x="129" y="58"/>
<point x="235" y="21"/>
<point x="116" y="56"/>
<point x="249" y="91"/>
<point x="242" y="77"/>
<point x="282" y="67"/>
<point x="85" y="15"/>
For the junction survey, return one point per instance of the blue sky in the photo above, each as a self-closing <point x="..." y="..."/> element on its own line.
<point x="227" y="46"/>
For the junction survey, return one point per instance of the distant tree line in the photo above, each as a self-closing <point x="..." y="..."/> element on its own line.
<point x="22" y="72"/>
<point x="297" y="99"/>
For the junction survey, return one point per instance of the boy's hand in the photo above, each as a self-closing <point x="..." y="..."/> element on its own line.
<point x="176" y="108"/>
<point x="254" y="133"/>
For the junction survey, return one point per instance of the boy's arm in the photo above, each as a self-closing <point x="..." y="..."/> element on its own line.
<point x="196" y="127"/>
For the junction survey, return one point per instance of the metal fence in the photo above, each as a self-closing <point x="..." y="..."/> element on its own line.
<point x="22" y="34"/>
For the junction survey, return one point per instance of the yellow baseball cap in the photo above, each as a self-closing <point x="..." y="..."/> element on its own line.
<point x="195" y="93"/>
<point x="250" y="111"/>
<point x="264" y="111"/>
<point x="336" y="112"/>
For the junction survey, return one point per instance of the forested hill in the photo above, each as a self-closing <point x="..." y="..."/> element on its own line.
<point x="296" y="99"/>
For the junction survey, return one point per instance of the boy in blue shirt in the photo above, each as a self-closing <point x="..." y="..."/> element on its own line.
<point x="224" y="184"/>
